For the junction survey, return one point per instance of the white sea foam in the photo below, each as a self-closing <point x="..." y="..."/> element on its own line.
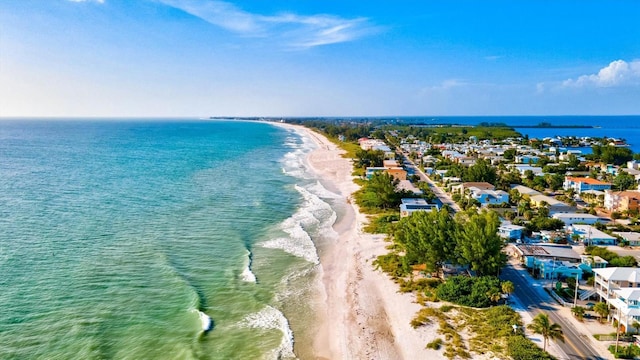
<point x="205" y="321"/>
<point x="322" y="192"/>
<point x="314" y="216"/>
<point x="272" y="318"/>
<point x="247" y="275"/>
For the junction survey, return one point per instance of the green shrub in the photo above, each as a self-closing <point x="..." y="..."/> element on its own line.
<point x="392" y="264"/>
<point x="435" y="344"/>
<point x="625" y="352"/>
<point x="521" y="348"/>
<point x="469" y="291"/>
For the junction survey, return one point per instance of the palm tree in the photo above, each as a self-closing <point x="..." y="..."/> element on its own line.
<point x="578" y="312"/>
<point x="541" y="325"/>
<point x="507" y="287"/>
<point x="601" y="309"/>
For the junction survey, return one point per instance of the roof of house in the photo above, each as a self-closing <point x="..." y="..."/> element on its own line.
<point x="548" y="251"/>
<point x="526" y="190"/>
<point x="619" y="274"/>
<point x="591" y="232"/>
<point x="628" y="293"/>
<point x="586" y="180"/>
<point x="629" y="236"/>
<point x="479" y="185"/>
<point x="574" y="215"/>
<point x="548" y="199"/>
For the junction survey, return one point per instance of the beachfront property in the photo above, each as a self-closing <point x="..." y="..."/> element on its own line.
<point x="554" y="205"/>
<point x="621" y="201"/>
<point x="633" y="238"/>
<point x="618" y="287"/>
<point x="576" y="218"/>
<point x="581" y="184"/>
<point x="589" y="235"/>
<point x="411" y="205"/>
<point x="510" y="232"/>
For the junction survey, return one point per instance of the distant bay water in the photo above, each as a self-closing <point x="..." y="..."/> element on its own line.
<point x="117" y="236"/>
<point x="620" y="127"/>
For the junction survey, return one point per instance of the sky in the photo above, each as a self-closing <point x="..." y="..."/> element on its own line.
<point x="200" y="58"/>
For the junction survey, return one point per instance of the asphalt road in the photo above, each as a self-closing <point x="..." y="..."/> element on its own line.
<point x="443" y="197"/>
<point x="535" y="300"/>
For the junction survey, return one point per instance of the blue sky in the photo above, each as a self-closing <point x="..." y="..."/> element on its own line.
<point x="318" y="58"/>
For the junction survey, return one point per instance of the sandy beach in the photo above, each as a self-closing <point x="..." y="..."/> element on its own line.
<point x="363" y="317"/>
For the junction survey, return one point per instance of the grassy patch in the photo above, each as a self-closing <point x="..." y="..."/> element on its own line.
<point x="392" y="264"/>
<point x="383" y="223"/>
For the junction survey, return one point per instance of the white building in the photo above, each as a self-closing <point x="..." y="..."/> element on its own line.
<point x="618" y="286"/>
<point x="592" y="236"/>
<point x="576" y="218"/>
<point x="509" y="231"/>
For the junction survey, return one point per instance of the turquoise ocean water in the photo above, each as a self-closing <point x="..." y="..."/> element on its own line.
<point x="115" y="236"/>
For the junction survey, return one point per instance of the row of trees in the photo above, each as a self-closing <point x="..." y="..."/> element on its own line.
<point x="435" y="238"/>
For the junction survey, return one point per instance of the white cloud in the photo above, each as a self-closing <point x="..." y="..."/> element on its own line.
<point x="617" y="73"/>
<point x="298" y="31"/>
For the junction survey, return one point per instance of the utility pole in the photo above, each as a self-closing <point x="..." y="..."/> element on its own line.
<point x="618" y="331"/>
<point x="575" y="298"/>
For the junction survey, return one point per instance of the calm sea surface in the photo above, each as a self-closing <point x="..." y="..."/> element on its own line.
<point x="117" y="237"/>
<point x="620" y="127"/>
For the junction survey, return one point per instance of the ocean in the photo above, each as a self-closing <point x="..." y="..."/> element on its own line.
<point x="119" y="237"/>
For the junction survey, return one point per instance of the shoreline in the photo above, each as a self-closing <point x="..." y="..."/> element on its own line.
<point x="362" y="313"/>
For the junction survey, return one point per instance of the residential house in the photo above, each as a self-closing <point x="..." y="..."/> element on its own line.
<point x="410" y="205"/>
<point x="619" y="287"/>
<point x="591" y="236"/>
<point x="397" y="172"/>
<point x="527" y="159"/>
<point x="522" y="169"/>
<point x="633" y="238"/>
<point x="489" y="197"/>
<point x="621" y="201"/>
<point x="523" y="190"/>
<point x="554" y="205"/>
<point x="468" y="185"/>
<point x="590" y="262"/>
<point x="556" y="269"/>
<point x="576" y="218"/>
<point x="581" y="184"/>
<point x="526" y="253"/>
<point x="615" y="278"/>
<point x="509" y="231"/>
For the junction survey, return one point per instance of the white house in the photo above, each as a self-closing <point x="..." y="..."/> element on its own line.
<point x="486" y="197"/>
<point x="633" y="238"/>
<point x="576" y="218"/>
<point x="592" y="236"/>
<point x="410" y="205"/>
<point x="618" y="286"/>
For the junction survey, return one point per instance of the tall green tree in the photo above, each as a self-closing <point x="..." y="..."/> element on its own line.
<point x="624" y="181"/>
<point x="543" y="326"/>
<point x="481" y="171"/>
<point x="602" y="309"/>
<point x="478" y="243"/>
<point x="380" y="192"/>
<point x="427" y="238"/>
<point x="369" y="158"/>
